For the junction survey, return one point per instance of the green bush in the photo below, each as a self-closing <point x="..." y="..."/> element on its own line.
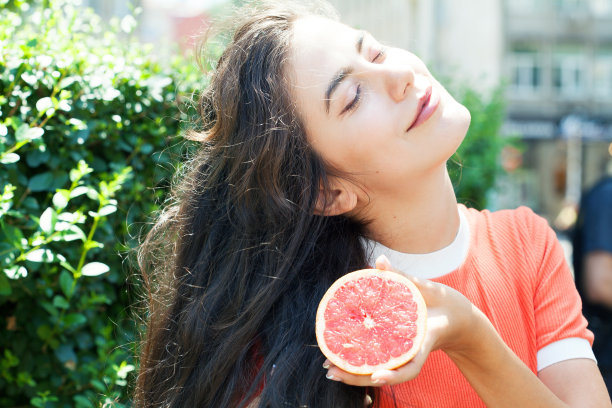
<point x="476" y="164"/>
<point x="87" y="130"/>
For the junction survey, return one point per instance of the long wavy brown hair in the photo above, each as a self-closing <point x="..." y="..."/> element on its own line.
<point x="237" y="262"/>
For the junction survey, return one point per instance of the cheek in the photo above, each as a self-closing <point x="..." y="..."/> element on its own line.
<point x="348" y="149"/>
<point x="365" y="148"/>
<point x="357" y="143"/>
<point x="376" y="128"/>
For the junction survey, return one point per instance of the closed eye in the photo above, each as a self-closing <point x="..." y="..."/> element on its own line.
<point x="353" y="104"/>
<point x="379" y="56"/>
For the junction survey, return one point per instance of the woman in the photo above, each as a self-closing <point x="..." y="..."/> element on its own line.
<point x="321" y="150"/>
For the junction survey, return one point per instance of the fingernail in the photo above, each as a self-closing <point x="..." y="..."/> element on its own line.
<point x="329" y="376"/>
<point x="378" y="381"/>
<point x="326" y="365"/>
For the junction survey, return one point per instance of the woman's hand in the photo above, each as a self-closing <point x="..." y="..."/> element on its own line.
<point x="450" y="322"/>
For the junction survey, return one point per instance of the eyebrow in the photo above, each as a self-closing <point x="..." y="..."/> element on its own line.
<point x="342" y="73"/>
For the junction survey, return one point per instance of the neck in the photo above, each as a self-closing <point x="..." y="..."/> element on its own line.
<point x="418" y="219"/>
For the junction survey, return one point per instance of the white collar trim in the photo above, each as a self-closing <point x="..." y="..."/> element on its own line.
<point x="431" y="265"/>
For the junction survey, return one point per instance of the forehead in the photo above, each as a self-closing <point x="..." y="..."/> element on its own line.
<point x="320" y="47"/>
<point x="320" y="33"/>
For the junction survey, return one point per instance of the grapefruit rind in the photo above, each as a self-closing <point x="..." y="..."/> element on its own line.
<point x="391" y="363"/>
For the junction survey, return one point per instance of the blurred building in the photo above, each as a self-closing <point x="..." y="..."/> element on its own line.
<point x="555" y="57"/>
<point x="559" y="65"/>
<point x="172" y="25"/>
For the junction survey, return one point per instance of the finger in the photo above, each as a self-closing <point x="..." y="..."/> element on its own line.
<point x="401" y="374"/>
<point x="336" y="374"/>
<point x="383" y="263"/>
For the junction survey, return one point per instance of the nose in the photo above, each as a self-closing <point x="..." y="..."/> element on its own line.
<point x="398" y="81"/>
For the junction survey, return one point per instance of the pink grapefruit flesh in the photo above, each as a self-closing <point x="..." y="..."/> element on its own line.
<point x="370" y="320"/>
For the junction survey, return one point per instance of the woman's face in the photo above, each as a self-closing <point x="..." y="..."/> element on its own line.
<point x="372" y="112"/>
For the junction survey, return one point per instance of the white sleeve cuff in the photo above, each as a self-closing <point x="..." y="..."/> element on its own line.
<point x="565" y="349"/>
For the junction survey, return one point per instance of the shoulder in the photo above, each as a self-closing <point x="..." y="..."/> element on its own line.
<point x="518" y="236"/>
<point x="603" y="187"/>
<point x="599" y="199"/>
<point x="521" y="220"/>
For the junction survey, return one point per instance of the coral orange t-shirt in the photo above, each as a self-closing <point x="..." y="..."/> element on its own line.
<point x="515" y="271"/>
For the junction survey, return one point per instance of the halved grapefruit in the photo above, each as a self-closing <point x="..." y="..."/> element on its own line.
<point x="370" y="320"/>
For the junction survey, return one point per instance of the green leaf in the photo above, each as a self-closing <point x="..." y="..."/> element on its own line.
<point x="66" y="283"/>
<point x="13" y="235"/>
<point x="104" y="211"/>
<point x="75" y="217"/>
<point x="47" y="221"/>
<point x="80" y="190"/>
<point x="107" y="210"/>
<point x="37" y="402"/>
<point x="41" y="182"/>
<point x="66" y="82"/>
<point x="65" y="353"/>
<point x="44" y="332"/>
<point x="25" y="132"/>
<point x="16" y="272"/>
<point x="95" y="269"/>
<point x="35" y="133"/>
<point x="68" y="232"/>
<point x="64" y="105"/>
<point x="99" y="385"/>
<point x="44" y="104"/>
<point x="37" y="157"/>
<point x="24" y="378"/>
<point x="96" y="298"/>
<point x="29" y="78"/>
<point x="5" y="285"/>
<point x="9" y="158"/>
<point x="41" y="255"/>
<point x="10" y="359"/>
<point x="60" y="199"/>
<point x="125" y="369"/>
<point x="81" y="170"/>
<point x="74" y="319"/>
<point x="49" y="308"/>
<point x="61" y="302"/>
<point x="83" y="402"/>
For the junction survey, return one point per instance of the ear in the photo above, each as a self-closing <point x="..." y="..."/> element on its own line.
<point x="339" y="199"/>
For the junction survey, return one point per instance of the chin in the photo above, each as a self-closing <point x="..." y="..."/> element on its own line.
<point x="466" y="116"/>
<point x="456" y="123"/>
<point x="456" y="117"/>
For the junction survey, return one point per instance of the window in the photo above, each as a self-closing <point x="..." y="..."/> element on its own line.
<point x="521" y="6"/>
<point x="527" y="6"/>
<point x="569" y="74"/>
<point x="570" y="6"/>
<point x="602" y="76"/>
<point x="601" y="8"/>
<point x="526" y="72"/>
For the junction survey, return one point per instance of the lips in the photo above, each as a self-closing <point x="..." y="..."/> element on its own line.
<point x="428" y="104"/>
